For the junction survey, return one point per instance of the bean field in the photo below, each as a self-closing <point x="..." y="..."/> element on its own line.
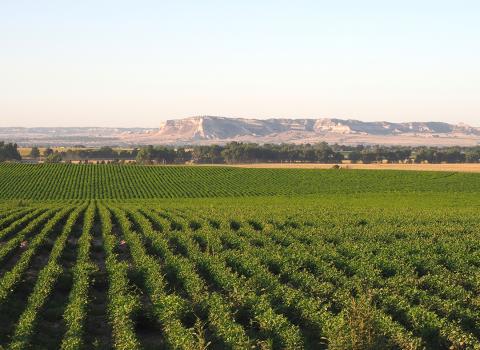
<point x="132" y="257"/>
<point x="71" y="181"/>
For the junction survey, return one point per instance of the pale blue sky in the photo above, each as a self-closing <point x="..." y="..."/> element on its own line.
<point x="135" y="63"/>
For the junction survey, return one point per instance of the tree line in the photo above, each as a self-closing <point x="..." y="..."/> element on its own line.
<point x="239" y="152"/>
<point x="103" y="153"/>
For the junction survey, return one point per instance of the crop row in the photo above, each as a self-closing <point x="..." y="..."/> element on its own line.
<point x="185" y="277"/>
<point x="69" y="181"/>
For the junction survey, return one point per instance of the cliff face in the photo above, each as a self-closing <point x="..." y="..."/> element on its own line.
<point x="209" y="129"/>
<point x="221" y="128"/>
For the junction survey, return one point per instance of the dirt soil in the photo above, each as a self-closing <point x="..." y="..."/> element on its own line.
<point x="475" y="168"/>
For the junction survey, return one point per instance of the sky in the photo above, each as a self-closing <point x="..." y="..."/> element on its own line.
<point x="136" y="63"/>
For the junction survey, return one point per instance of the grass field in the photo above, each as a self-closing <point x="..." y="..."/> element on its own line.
<point x="132" y="257"/>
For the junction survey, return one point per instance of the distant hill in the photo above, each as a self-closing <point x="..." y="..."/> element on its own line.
<point x="210" y="129"/>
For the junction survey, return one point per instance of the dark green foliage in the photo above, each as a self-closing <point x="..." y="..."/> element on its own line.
<point x="53" y="158"/>
<point x="8" y="152"/>
<point x="35" y="152"/>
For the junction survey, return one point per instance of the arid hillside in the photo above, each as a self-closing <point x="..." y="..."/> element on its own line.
<point x="220" y="130"/>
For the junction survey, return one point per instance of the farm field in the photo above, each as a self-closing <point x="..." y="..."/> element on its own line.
<point x="73" y="181"/>
<point x="139" y="257"/>
<point x="453" y="167"/>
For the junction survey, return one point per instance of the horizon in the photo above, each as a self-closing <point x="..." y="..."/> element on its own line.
<point x="232" y="117"/>
<point x="118" y="64"/>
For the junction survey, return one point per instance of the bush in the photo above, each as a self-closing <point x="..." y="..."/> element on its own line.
<point x="53" y="158"/>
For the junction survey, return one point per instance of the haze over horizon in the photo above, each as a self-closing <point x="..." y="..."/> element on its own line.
<point x="135" y="64"/>
<point x="232" y="117"/>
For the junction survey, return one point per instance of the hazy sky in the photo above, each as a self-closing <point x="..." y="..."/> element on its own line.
<point x="135" y="63"/>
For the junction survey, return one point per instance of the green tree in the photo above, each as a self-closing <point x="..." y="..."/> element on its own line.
<point x="48" y="151"/>
<point x="9" y="151"/>
<point x="53" y="158"/>
<point x="354" y="156"/>
<point x="472" y="156"/>
<point x="144" y="156"/>
<point x="35" y="152"/>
